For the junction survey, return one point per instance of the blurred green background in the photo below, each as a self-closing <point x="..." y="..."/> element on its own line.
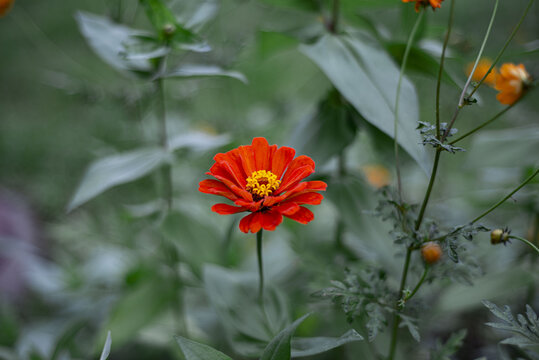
<point x="66" y="278"/>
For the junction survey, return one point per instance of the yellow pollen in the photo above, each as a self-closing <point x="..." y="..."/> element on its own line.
<point x="262" y="183"/>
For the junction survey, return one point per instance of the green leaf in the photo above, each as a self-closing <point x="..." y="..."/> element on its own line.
<point x="451" y="346"/>
<point x="279" y="348"/>
<point x="419" y="61"/>
<point x="353" y="65"/>
<point x="110" y="41"/>
<point x="329" y="131"/>
<point x="106" y="348"/>
<point x="138" y="308"/>
<point x="197" y="141"/>
<point x="191" y="350"/>
<point x="115" y="170"/>
<point x="306" y="5"/>
<point x="195" y="70"/>
<point x="312" y="346"/>
<point x="234" y="296"/>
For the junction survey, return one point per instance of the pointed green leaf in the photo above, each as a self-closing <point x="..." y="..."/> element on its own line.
<point x="317" y="345"/>
<point x="353" y="65"/>
<point x="191" y="350"/>
<point x="117" y="169"/>
<point x="195" y="70"/>
<point x="106" y="348"/>
<point x="279" y="348"/>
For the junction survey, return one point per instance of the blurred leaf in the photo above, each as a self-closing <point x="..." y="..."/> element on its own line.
<point x="197" y="141"/>
<point x="451" y="346"/>
<point x="191" y="350"/>
<point x="420" y="61"/>
<point x="329" y="131"/>
<point x="317" y="345"/>
<point x="194" y="14"/>
<point x="106" y="348"/>
<point x="353" y="64"/>
<point x="195" y="70"/>
<point x="113" y="170"/>
<point x="410" y="323"/>
<point x="279" y="348"/>
<point x="110" y="41"/>
<point x="234" y="295"/>
<point x="138" y="308"/>
<point x="197" y="242"/>
<point x="307" y="5"/>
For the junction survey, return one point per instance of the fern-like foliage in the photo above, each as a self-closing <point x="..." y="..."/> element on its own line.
<point x="450" y="347"/>
<point x="525" y="328"/>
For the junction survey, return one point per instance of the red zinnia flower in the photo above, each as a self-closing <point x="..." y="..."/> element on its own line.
<point x="265" y="180"/>
<point x="433" y="3"/>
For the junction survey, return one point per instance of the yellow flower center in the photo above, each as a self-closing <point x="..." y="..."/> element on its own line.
<point x="262" y="183"/>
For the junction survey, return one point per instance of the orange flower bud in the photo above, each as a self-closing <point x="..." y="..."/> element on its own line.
<point x="511" y="83"/>
<point x="377" y="175"/>
<point x="431" y="252"/>
<point x="5" y="6"/>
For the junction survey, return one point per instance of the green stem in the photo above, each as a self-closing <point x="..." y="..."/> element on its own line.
<point x="166" y="170"/>
<point x="335" y="16"/>
<point x="513" y="33"/>
<point x="525" y="242"/>
<point x="530" y="178"/>
<point x="423" y="277"/>
<point x="397" y="98"/>
<point x="479" y="55"/>
<point x="483" y="124"/>
<point x="260" y="266"/>
<point x="441" y="70"/>
<point x="396" y="317"/>
<point x="429" y="188"/>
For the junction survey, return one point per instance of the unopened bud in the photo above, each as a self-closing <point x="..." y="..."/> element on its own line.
<point x="169" y="29"/>
<point x="431" y="252"/>
<point x="499" y="236"/>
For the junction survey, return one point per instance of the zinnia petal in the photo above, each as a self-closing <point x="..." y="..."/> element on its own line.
<point x="261" y="150"/>
<point x="225" y="209"/>
<point x="270" y="219"/>
<point x="281" y="159"/>
<point x="303" y="215"/>
<point x="215" y="187"/>
<point x="287" y="209"/>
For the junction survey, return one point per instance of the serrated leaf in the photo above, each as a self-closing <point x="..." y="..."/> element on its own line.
<point x="192" y="350"/>
<point x="106" y="348"/>
<point x="113" y="170"/>
<point x="412" y="327"/>
<point x="311" y="346"/>
<point x="353" y="65"/>
<point x="279" y="348"/>
<point x="451" y="346"/>
<point x="195" y="70"/>
<point x="109" y="41"/>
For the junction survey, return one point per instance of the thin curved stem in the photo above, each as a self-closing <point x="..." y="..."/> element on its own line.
<point x="479" y="55"/>
<point x="441" y="70"/>
<point x="396" y="317"/>
<point x="525" y="242"/>
<point x="397" y="98"/>
<point x="513" y="33"/>
<point x="429" y="188"/>
<point x="530" y="178"/>
<point x="166" y="170"/>
<point x="260" y="266"/>
<point x="423" y="277"/>
<point x="483" y="124"/>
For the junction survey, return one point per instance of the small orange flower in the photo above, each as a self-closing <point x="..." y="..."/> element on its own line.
<point x="480" y="71"/>
<point x="434" y="3"/>
<point x="431" y="252"/>
<point x="511" y="83"/>
<point x="377" y="175"/>
<point x="5" y="6"/>
<point x="265" y="181"/>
